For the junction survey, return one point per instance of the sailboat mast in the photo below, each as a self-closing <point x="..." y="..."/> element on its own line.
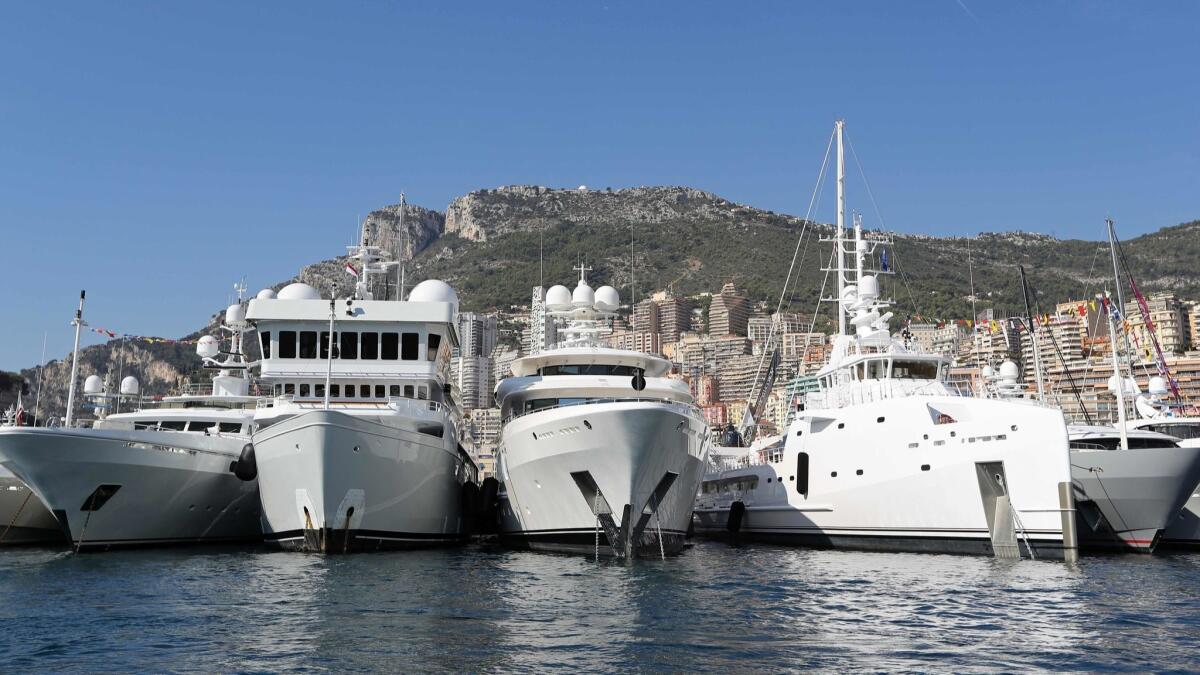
<point x="841" y="226"/>
<point x="1033" y="338"/>
<point x="1118" y="380"/>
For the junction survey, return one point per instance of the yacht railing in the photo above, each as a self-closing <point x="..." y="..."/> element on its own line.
<point x="588" y="401"/>
<point x="872" y="391"/>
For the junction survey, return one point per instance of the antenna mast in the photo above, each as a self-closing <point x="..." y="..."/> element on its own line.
<point x="841" y="226"/>
<point x="79" y="323"/>
<point x="403" y="241"/>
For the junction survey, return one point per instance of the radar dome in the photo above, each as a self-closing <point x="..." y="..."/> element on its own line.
<point x="868" y="286"/>
<point x="986" y="372"/>
<point x="207" y="347"/>
<point x="558" y="298"/>
<point x="1009" y="371"/>
<point x="266" y="294"/>
<point x="583" y="296"/>
<point x="130" y="386"/>
<point x="607" y="299"/>
<point x="299" y="291"/>
<point x="235" y="315"/>
<point x="1158" y="386"/>
<point x="93" y="385"/>
<point x="1130" y="385"/>
<point x="433" y="290"/>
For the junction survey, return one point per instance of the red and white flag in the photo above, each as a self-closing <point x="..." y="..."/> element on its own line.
<point x="20" y="411"/>
<point x="351" y="270"/>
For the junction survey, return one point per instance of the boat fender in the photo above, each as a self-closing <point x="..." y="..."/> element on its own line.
<point x="737" y="511"/>
<point x="470" y="504"/>
<point x="639" y="380"/>
<point x="245" y="467"/>
<point x="487" y="495"/>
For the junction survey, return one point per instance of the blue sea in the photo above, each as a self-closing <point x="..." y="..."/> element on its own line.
<point x="486" y="609"/>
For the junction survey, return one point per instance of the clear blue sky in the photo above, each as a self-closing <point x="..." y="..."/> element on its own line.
<point x="155" y="152"/>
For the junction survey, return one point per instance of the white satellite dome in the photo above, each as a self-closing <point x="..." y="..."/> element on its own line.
<point x="1158" y="386"/>
<point x="1130" y="385"/>
<point x="868" y="286"/>
<point x="607" y="299"/>
<point x="583" y="296"/>
<point x="1009" y="371"/>
<point x="130" y="386"/>
<point x="986" y="372"/>
<point x="266" y="294"/>
<point x="558" y="298"/>
<point x="207" y="347"/>
<point x="93" y="385"/>
<point x="299" y="291"/>
<point x="433" y="290"/>
<point x="235" y="315"/>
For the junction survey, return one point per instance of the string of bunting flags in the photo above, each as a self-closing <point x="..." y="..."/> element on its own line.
<point x="149" y="339"/>
<point x="992" y="326"/>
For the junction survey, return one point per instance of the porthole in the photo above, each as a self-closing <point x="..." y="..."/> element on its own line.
<point x="879" y="420"/>
<point x="914" y="445"/>
<point x="799" y="432"/>
<point x="791" y="478"/>
<point x="587" y="424"/>
<point x="858" y="473"/>
<point x="1013" y="428"/>
<point x="924" y="467"/>
<point x="841" y="425"/>
<point x="356" y="448"/>
<point x="953" y="434"/>
<point x="535" y="435"/>
<point x="925" y="437"/>
<point x="833" y="474"/>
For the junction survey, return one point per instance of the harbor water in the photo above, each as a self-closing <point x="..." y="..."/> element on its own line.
<point x="483" y="608"/>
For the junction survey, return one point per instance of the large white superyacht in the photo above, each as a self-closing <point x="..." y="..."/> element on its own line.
<point x="160" y="475"/>
<point x="358" y="447"/>
<point x="885" y="455"/>
<point x="1156" y="414"/>
<point x="600" y="452"/>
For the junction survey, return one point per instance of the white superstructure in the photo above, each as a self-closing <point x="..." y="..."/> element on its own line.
<point x="600" y="451"/>
<point x="157" y="476"/>
<point x="358" y="447"/>
<point x="886" y="456"/>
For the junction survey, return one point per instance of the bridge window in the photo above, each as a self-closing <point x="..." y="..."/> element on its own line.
<point x="409" y="346"/>
<point x="308" y="344"/>
<point x="389" y="346"/>
<point x="408" y="391"/>
<point x="289" y="389"/>
<point x="265" y="337"/>
<point x="435" y="341"/>
<point x="230" y="427"/>
<point x="368" y="346"/>
<point x="349" y="391"/>
<point x="323" y="349"/>
<point x="304" y="391"/>
<point x="587" y="369"/>
<point x="335" y="390"/>
<point x="915" y="370"/>
<point x="349" y="346"/>
<point x="287" y="344"/>
<point x="364" y="391"/>
<point x="394" y="391"/>
<point x="173" y="425"/>
<point x="319" y="390"/>
<point x="379" y="391"/>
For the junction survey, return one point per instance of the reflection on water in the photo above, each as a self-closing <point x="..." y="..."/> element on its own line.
<point x="483" y="608"/>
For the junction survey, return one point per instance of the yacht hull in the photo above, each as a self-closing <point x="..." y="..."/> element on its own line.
<point x="1125" y="499"/>
<point x="122" y="488"/>
<point x="889" y="476"/>
<point x="625" y="449"/>
<point x="24" y="519"/>
<point x="332" y="482"/>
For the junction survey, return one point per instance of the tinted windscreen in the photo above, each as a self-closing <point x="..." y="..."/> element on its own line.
<point x="587" y="369"/>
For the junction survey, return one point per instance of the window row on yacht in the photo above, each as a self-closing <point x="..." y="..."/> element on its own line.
<point x="1178" y="430"/>
<point x="880" y="369"/>
<point x="316" y="390"/>
<point x="535" y="404"/>
<point x="348" y="345"/>
<point x="206" y="426"/>
<point x="738" y="484"/>
<point x="586" y="369"/>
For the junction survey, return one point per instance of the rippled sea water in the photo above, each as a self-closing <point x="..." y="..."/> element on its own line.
<point x="483" y="608"/>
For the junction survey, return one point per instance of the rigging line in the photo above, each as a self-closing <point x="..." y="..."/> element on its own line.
<point x="791" y="268"/>
<point x="974" y="313"/>
<point x="1061" y="359"/>
<point x="904" y="277"/>
<point x="866" y="183"/>
<point x="1160" y="362"/>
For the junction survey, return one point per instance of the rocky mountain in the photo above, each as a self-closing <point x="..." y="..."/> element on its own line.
<point x="645" y="239"/>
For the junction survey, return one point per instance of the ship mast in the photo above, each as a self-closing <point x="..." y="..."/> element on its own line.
<point x="841" y="226"/>
<point x="79" y="323"/>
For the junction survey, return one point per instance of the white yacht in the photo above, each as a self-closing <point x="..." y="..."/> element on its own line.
<point x="885" y="455"/>
<point x="1155" y="414"/>
<point x="358" y="447"/>
<point x="160" y="475"/>
<point x="600" y="452"/>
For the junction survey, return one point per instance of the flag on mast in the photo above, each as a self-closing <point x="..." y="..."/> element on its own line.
<point x="351" y="270"/>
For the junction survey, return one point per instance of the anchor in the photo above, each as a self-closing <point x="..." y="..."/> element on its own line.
<point x="621" y="538"/>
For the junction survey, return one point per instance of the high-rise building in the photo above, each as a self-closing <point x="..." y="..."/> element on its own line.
<point x="502" y="360"/>
<point x="645" y="317"/>
<point x="674" y="317"/>
<point x="476" y="334"/>
<point x="540" y="335"/>
<point x="475" y="383"/>
<point x="729" y="312"/>
<point x="637" y="341"/>
<point x="1170" y="326"/>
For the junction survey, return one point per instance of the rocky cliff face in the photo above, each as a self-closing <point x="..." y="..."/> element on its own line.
<point x="421" y="227"/>
<point x="487" y="214"/>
